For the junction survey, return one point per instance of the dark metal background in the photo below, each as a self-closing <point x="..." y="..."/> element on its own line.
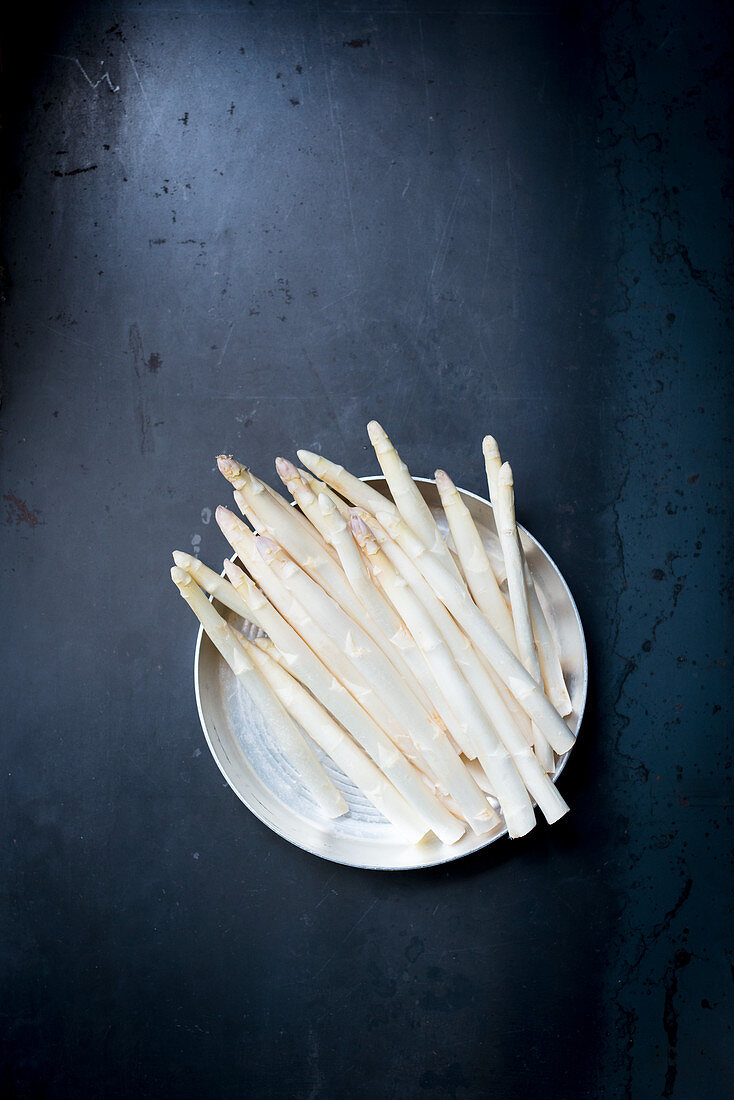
<point x="249" y="227"/>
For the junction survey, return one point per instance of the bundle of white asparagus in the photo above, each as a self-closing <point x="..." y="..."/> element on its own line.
<point x="436" y="692"/>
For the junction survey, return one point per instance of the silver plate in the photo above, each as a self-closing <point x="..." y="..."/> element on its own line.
<point x="268" y="785"/>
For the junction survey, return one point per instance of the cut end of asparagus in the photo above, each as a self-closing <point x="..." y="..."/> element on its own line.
<point x="490" y="450"/>
<point x="229" y="466"/>
<point x="504" y="477"/>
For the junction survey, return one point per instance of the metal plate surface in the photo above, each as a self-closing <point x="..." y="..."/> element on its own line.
<point x="268" y="785"/>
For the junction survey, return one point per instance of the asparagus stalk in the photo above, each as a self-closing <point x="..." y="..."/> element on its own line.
<point x="243" y="480"/>
<point x="337" y="659"/>
<point x="317" y="487"/>
<point x="494" y="758"/>
<point x="526" y="690"/>
<point x="302" y="493"/>
<point x="329" y="736"/>
<point x="492" y="464"/>
<point x="278" y="722"/>
<point x="424" y="731"/>
<point x="474" y="560"/>
<point x="306" y="666"/>
<point x="211" y="582"/>
<point x="358" y="492"/>
<point x="408" y="499"/>
<point x="501" y="721"/>
<point x="504" y="506"/>
<point x="550" y="663"/>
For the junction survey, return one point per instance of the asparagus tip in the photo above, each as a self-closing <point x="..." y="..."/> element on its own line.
<point x="375" y="431"/>
<point x="443" y="481"/>
<point x="266" y="547"/>
<point x="181" y="559"/>
<point x="179" y="576"/>
<point x="504" y="477"/>
<point x="286" y="470"/>
<point x="225" y="518"/>
<point x="489" y="447"/>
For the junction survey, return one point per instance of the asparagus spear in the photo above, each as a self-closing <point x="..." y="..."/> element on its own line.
<point x="211" y="582"/>
<point x="316" y="486"/>
<point x="494" y="758"/>
<point x="550" y="663"/>
<point x="427" y="735"/>
<point x="474" y="560"/>
<point x="278" y="722"/>
<point x="329" y="736"/>
<point x="400" y="640"/>
<point x="504" y="507"/>
<point x="358" y="492"/>
<point x="305" y="665"/>
<point x="408" y="498"/>
<point x="337" y="659"/>
<point x="522" y="685"/>
<point x="533" y="775"/>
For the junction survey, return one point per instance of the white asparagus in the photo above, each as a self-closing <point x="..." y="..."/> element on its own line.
<point x="360" y="493"/>
<point x="550" y="662"/>
<point x="427" y="734"/>
<point x="504" y="511"/>
<point x="526" y="690"/>
<point x="306" y="666"/>
<point x="501" y="721"/>
<point x="493" y="756"/>
<point x="302" y="493"/>
<point x="241" y="479"/>
<point x="492" y="464"/>
<point x="383" y="614"/>
<point x="317" y="486"/>
<point x="322" y="728"/>
<point x="408" y="498"/>
<point x="472" y="662"/>
<point x="211" y="582"/>
<point x="475" y="562"/>
<point x="337" y="659"/>
<point x="386" y="629"/>
<point x="279" y="723"/>
<point x="296" y="534"/>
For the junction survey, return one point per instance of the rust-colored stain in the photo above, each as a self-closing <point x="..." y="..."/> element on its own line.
<point x="18" y="512"/>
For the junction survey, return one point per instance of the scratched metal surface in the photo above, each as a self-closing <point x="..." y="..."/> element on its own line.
<point x="249" y="227"/>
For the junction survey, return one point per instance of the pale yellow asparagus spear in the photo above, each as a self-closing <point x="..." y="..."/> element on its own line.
<point x="494" y="758"/>
<point x="504" y="511"/>
<point x="336" y="658"/>
<point x="316" y="486"/>
<point x="211" y="582"/>
<point x="358" y="492"/>
<point x="329" y="736"/>
<point x="466" y="613"/>
<point x="241" y="479"/>
<point x="408" y="498"/>
<point x="305" y="666"/>
<point x="399" y="638"/>
<point x="533" y="775"/>
<point x="492" y="465"/>
<point x="354" y="641"/>
<point x="277" y="720"/>
<point x="302" y="493"/>
<point x="474" y="560"/>
<point x="550" y="662"/>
